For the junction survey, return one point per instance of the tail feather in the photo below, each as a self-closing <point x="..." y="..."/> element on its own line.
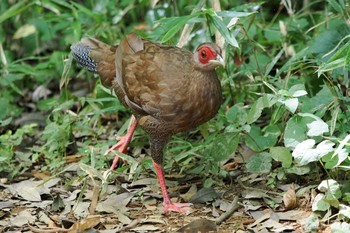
<point x="80" y="53"/>
<point x="97" y="57"/>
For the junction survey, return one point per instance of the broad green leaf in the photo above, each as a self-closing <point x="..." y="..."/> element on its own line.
<point x="312" y="223"/>
<point x="256" y="109"/>
<point x="223" y="146"/>
<point x="332" y="161"/>
<point x="305" y="152"/>
<point x="259" y="140"/>
<point x="260" y="163"/>
<point x="344" y="210"/>
<point x="323" y="98"/>
<point x="237" y="114"/>
<point x="295" y="131"/>
<point x="299" y="93"/>
<point x="330" y="186"/>
<point x="291" y="104"/>
<point x="282" y="154"/>
<point x="319" y="203"/>
<point x="317" y="128"/>
<point x="340" y="227"/>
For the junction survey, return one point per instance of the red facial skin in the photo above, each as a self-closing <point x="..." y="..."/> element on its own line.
<point x="205" y="54"/>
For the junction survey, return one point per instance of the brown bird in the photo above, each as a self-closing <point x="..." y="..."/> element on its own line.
<point x="168" y="89"/>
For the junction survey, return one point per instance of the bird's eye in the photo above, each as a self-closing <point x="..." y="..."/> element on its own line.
<point x="203" y="53"/>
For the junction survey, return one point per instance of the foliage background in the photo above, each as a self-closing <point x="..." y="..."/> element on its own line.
<point x="285" y="90"/>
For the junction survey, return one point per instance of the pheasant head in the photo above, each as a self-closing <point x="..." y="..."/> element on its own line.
<point x="208" y="56"/>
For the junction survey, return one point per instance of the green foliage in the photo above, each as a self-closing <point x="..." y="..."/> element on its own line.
<point x="285" y="89"/>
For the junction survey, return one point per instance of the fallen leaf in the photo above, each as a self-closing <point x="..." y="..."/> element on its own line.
<point x="85" y="224"/>
<point x="145" y="228"/>
<point x="290" y="199"/>
<point x="204" y="195"/>
<point x="190" y="193"/>
<point x="115" y="203"/>
<point x="123" y="218"/>
<point x="5" y="204"/>
<point x="23" y="218"/>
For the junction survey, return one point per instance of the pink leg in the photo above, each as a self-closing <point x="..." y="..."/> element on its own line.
<point x="123" y="142"/>
<point x="168" y="205"/>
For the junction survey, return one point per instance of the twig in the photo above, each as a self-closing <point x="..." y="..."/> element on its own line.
<point x="227" y="214"/>
<point x="47" y="230"/>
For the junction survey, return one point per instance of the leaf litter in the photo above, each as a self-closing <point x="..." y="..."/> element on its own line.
<point x="124" y="205"/>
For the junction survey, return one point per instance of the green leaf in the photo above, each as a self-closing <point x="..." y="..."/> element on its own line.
<point x="174" y="24"/>
<point x="304" y="152"/>
<point x="273" y="62"/>
<point x="282" y="154"/>
<point x="298" y="170"/>
<point x="317" y="128"/>
<point x="255" y="111"/>
<point x="291" y="104"/>
<point x="15" y="10"/>
<point x="223" y="146"/>
<point x="237" y="114"/>
<point x="233" y="14"/>
<point x="319" y="203"/>
<point x="344" y="210"/>
<point x="295" y="131"/>
<point x="259" y="140"/>
<point x="312" y="223"/>
<point x="340" y="227"/>
<point x="222" y="28"/>
<point x="260" y="163"/>
<point x="330" y="186"/>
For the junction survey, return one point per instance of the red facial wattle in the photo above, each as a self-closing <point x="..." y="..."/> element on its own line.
<point x="205" y="54"/>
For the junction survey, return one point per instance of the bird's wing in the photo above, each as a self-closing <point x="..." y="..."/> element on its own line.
<point x="155" y="80"/>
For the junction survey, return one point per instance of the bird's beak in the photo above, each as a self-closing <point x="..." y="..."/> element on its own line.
<point x="219" y="61"/>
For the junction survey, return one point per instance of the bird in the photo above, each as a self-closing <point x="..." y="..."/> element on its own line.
<point x="168" y="90"/>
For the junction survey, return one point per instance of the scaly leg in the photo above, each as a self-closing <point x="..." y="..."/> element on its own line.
<point x="168" y="204"/>
<point x="123" y="142"/>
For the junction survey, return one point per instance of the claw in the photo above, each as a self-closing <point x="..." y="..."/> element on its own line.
<point x="177" y="207"/>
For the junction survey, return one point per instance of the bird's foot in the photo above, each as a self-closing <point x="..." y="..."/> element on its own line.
<point x="177" y="207"/>
<point x="121" y="146"/>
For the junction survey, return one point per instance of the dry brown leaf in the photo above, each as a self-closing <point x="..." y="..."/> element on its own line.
<point x="41" y="175"/>
<point x="85" y="224"/>
<point x="290" y="199"/>
<point x="94" y="199"/>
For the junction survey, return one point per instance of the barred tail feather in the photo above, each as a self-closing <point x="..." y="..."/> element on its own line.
<point x="80" y="53"/>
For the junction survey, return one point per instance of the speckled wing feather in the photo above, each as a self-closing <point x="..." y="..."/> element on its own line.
<point x="162" y="81"/>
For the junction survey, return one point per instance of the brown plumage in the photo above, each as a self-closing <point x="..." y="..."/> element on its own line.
<point x="168" y="89"/>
